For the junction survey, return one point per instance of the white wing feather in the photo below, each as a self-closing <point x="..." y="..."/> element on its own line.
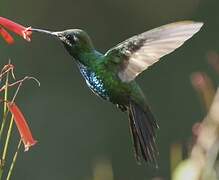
<point x="158" y="43"/>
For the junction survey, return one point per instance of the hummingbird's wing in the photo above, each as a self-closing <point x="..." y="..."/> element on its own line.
<point x="141" y="51"/>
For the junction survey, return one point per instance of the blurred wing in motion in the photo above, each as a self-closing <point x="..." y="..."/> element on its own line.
<point x="136" y="54"/>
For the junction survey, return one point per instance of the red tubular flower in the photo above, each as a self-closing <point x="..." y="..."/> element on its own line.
<point x="22" y="126"/>
<point x="6" y="36"/>
<point x="16" y="28"/>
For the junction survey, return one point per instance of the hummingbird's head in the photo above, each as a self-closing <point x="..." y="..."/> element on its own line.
<point x="75" y="41"/>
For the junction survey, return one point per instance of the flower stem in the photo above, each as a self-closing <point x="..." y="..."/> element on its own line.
<point x="13" y="161"/>
<point x="7" y="138"/>
<point x="4" y="120"/>
<point x="6" y="146"/>
<point x="5" y="106"/>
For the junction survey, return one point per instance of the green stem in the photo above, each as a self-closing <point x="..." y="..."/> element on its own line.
<point x="13" y="161"/>
<point x="6" y="146"/>
<point x="4" y="120"/>
<point x="7" y="138"/>
<point x="5" y="106"/>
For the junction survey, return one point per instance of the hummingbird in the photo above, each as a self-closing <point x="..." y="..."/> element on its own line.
<point x="112" y="75"/>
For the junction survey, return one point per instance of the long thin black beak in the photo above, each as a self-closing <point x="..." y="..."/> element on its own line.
<point x="56" y="34"/>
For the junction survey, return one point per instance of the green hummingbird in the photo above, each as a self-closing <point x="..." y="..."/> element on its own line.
<point x="112" y="75"/>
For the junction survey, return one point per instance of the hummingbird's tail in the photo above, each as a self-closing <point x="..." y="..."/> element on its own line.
<point x="143" y="126"/>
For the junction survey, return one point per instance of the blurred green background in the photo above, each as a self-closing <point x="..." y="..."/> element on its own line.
<point x="73" y="127"/>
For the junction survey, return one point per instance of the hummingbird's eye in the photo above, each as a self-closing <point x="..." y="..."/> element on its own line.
<point x="71" y="38"/>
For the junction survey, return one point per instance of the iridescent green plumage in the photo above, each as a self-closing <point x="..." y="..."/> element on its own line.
<point x="112" y="75"/>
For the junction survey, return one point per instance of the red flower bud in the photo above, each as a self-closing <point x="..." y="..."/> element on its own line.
<point x="22" y="126"/>
<point x="6" y="36"/>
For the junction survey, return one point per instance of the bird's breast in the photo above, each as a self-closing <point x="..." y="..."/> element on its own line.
<point x="93" y="82"/>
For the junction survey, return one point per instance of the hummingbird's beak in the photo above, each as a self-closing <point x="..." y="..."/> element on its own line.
<point x="56" y="34"/>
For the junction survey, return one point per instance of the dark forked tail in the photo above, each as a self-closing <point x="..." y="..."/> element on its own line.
<point x="143" y="126"/>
